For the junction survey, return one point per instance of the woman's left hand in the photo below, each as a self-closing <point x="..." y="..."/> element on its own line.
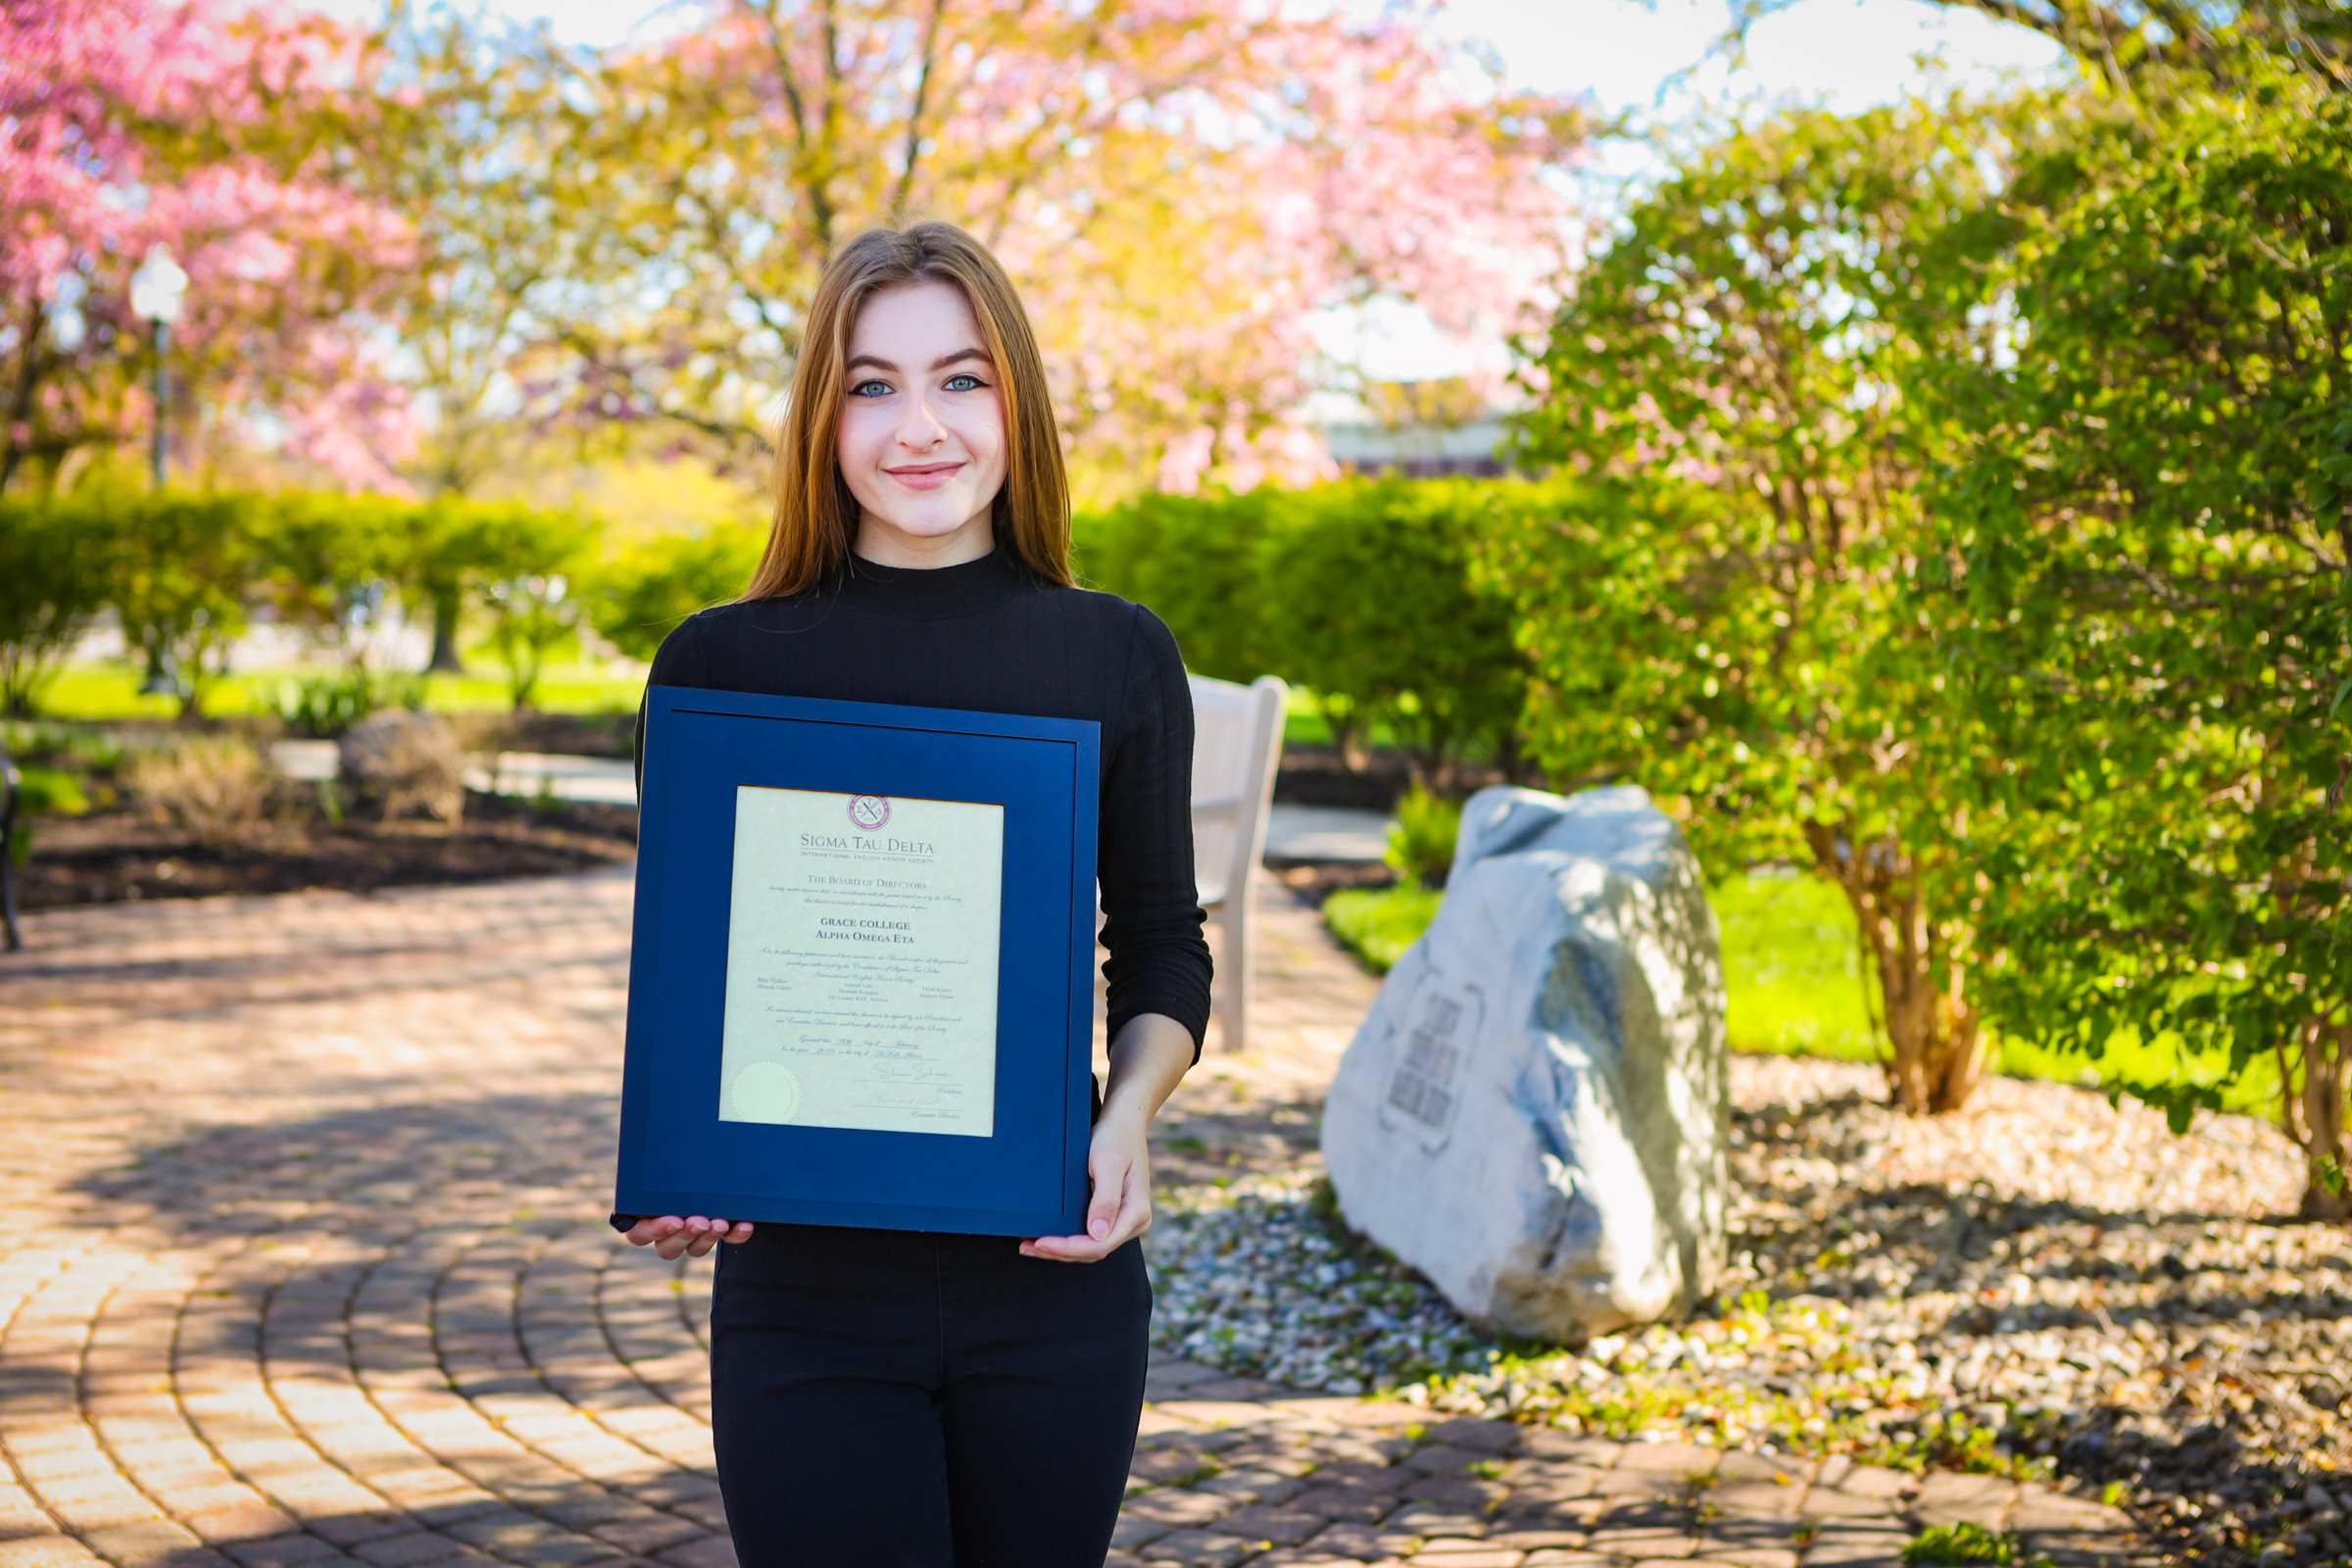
<point x="1118" y="1161"/>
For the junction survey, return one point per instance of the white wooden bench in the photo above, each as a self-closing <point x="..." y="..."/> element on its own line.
<point x="1236" y="748"/>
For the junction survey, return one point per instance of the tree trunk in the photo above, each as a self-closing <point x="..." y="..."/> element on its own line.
<point x="1428" y="767"/>
<point x="1509" y="759"/>
<point x="2312" y="1106"/>
<point x="1939" y="1050"/>
<point x="2324" y="1132"/>
<point x="445" y="637"/>
<point x="1352" y="755"/>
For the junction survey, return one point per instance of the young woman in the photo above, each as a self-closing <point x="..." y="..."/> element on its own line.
<point x="915" y="1399"/>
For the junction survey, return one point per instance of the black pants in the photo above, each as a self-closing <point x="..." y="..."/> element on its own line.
<point x="923" y="1400"/>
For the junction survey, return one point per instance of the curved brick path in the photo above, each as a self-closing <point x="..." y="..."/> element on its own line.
<point x="306" y="1265"/>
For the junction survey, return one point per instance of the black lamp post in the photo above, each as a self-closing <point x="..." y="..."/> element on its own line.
<point x="156" y="292"/>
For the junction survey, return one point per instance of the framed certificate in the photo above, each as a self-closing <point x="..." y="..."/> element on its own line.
<point x="860" y="985"/>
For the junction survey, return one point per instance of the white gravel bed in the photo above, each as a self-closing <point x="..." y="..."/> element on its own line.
<point x="2041" y="1282"/>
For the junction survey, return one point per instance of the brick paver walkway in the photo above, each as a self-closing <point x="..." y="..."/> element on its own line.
<point x="306" y="1263"/>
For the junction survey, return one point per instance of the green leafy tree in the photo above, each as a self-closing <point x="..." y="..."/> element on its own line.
<point x="52" y="582"/>
<point x="183" y="563"/>
<point x="1381" y="620"/>
<point x="1727" y="615"/>
<point x="530" y="559"/>
<point x="450" y="132"/>
<point x="444" y="553"/>
<point x="530" y="616"/>
<point x="636" y="596"/>
<point x="329" y="560"/>
<point x="2148" y="515"/>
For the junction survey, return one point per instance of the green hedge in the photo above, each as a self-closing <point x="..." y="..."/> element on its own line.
<point x="646" y="589"/>
<point x="1361" y="592"/>
<point x="1198" y="562"/>
<point x="183" y="570"/>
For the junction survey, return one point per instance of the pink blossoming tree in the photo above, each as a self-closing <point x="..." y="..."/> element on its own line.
<point x="212" y="130"/>
<point x="1176" y="184"/>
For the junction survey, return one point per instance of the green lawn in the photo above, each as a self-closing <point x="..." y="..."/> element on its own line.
<point x="1791" y="972"/>
<point x="99" y="693"/>
<point x="108" y="692"/>
<point x="102" y="692"/>
<point x="1303" y="724"/>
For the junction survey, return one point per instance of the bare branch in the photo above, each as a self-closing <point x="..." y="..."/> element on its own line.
<point x="914" y="114"/>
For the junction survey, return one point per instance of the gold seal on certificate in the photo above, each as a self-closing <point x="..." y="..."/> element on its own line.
<point x="862" y="961"/>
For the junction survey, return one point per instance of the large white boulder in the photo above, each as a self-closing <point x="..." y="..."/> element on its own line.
<point x="1534" y="1112"/>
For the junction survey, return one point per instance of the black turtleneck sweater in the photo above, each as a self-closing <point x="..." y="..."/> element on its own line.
<point x="991" y="635"/>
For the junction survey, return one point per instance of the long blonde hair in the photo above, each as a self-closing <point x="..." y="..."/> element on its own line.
<point x="815" y="515"/>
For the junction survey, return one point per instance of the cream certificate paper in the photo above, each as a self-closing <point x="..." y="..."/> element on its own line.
<point x="861" y="963"/>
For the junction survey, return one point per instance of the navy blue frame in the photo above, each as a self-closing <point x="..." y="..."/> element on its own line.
<point x="677" y="1155"/>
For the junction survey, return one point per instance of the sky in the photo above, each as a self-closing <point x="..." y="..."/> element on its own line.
<point x="1851" y="52"/>
<point x="1845" y="54"/>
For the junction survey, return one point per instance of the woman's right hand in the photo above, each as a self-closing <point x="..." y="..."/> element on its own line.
<point x="671" y="1237"/>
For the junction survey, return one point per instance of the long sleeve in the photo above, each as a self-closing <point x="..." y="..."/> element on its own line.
<point x="1158" y="960"/>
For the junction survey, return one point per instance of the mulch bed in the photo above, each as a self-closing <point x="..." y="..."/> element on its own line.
<point x="1306" y="776"/>
<point x="1315" y="776"/>
<point x="1313" y="881"/>
<point x="110" y="856"/>
<point x="572" y="734"/>
<point x="114" y="856"/>
<point x="2041" y="1283"/>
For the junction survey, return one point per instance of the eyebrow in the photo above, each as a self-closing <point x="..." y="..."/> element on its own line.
<point x="939" y="363"/>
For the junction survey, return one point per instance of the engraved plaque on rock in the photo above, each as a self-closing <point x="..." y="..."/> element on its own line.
<point x="1425" y="1080"/>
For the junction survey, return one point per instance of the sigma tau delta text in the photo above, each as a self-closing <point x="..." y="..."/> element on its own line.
<point x="836" y="840"/>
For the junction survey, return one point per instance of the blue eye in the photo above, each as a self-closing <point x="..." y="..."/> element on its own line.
<point x="960" y="376"/>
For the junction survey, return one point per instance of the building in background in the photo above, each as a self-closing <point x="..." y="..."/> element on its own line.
<point x="1418" y="451"/>
<point x="1419" y="429"/>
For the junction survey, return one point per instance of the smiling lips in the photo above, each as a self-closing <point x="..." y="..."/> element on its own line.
<point x="929" y="476"/>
